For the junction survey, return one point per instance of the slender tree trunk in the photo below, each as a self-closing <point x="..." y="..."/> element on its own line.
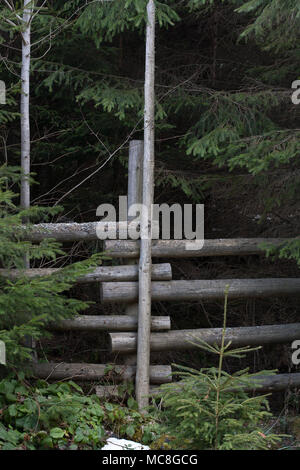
<point x="144" y="316"/>
<point x="25" y="123"/>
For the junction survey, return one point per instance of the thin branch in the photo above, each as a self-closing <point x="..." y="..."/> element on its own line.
<point x="9" y="5"/>
<point x="101" y="166"/>
<point x="37" y="11"/>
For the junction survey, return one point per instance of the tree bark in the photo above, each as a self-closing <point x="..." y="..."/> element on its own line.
<point x="261" y="384"/>
<point x="85" y="372"/>
<point x="70" y="232"/>
<point x="202" y="289"/>
<point x="144" y="316"/>
<point x="135" y="196"/>
<point x="108" y="323"/>
<point x="101" y="274"/>
<point x="181" y="340"/>
<point x="177" y="248"/>
<point x="25" y="96"/>
<point x="25" y="123"/>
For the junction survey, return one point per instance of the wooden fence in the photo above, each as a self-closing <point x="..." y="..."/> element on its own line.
<point x="119" y="284"/>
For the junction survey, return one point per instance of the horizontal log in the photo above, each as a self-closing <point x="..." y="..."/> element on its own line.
<point x="184" y="339"/>
<point x="161" y="271"/>
<point x="69" y="232"/>
<point x="90" y="372"/>
<point x="177" y="248"/>
<point x="63" y="232"/>
<point x="261" y="384"/>
<point x="109" y="323"/>
<point x="202" y="290"/>
<point x="276" y="383"/>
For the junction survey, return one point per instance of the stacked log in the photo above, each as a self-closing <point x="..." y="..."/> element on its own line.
<point x="96" y="372"/>
<point x="202" y="290"/>
<point x="178" y="248"/>
<point x="176" y="340"/>
<point x="161" y="272"/>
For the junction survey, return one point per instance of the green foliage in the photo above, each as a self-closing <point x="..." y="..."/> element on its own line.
<point x="286" y="250"/>
<point x="191" y="187"/>
<point x="103" y="20"/>
<point x="57" y="416"/>
<point x="240" y="135"/>
<point x="190" y="415"/>
<point x="242" y="119"/>
<point x="219" y="110"/>
<point x="209" y="408"/>
<point x="60" y="416"/>
<point x="28" y="305"/>
<point x="254" y="126"/>
<point x="276" y="25"/>
<point x="113" y="100"/>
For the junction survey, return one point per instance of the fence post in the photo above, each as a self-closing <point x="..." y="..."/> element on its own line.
<point x="144" y="316"/>
<point x="135" y="189"/>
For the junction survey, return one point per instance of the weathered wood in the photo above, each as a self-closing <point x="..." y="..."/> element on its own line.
<point x="108" y="323"/>
<point x="69" y="232"/>
<point x="261" y="384"/>
<point x="177" y="248"/>
<point x="144" y="310"/>
<point x="202" y="289"/>
<point x="134" y="196"/>
<point x="89" y="372"/>
<point x="63" y="232"/>
<point x="183" y="339"/>
<point x="135" y="173"/>
<point x="275" y="383"/>
<point x="161" y="271"/>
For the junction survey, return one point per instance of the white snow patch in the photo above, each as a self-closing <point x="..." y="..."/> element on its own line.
<point x="122" y="444"/>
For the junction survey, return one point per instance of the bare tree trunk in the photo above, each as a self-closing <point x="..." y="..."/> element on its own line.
<point x="144" y="316"/>
<point x="25" y="123"/>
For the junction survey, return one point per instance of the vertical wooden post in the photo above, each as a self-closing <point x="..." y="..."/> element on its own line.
<point x="135" y="182"/>
<point x="135" y="172"/>
<point x="144" y="314"/>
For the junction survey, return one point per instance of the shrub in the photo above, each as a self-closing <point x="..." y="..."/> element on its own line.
<point x="28" y="305"/>
<point x="60" y="416"/>
<point x="209" y="408"/>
